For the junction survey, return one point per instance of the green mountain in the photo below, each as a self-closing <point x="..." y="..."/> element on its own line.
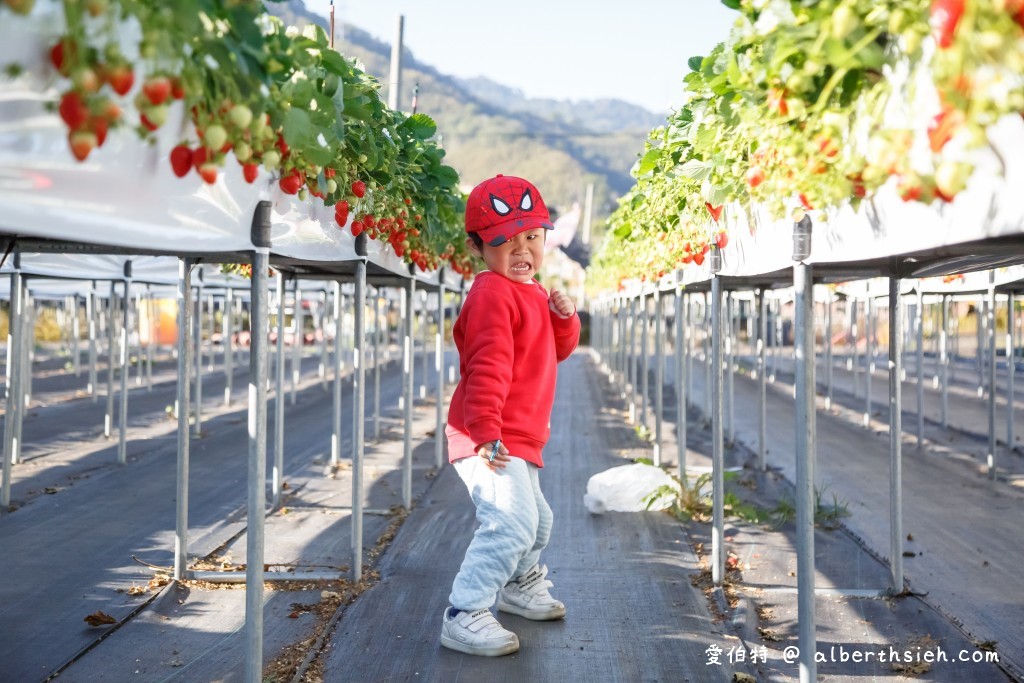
<point x="487" y="128"/>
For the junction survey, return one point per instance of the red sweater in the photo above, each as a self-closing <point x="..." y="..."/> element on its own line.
<point x="509" y="345"/>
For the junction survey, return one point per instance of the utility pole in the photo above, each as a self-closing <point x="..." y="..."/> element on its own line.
<point x="395" y="78"/>
<point x="588" y="212"/>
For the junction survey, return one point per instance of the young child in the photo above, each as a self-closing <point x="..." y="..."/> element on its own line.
<point x="510" y="336"/>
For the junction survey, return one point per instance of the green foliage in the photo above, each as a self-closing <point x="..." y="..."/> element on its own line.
<point x="816" y="104"/>
<point x="271" y="95"/>
<point x="826" y="515"/>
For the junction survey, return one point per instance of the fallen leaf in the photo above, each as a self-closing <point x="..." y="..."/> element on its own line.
<point x="99" y="618"/>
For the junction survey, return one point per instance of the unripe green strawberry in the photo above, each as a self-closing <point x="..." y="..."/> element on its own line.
<point x="243" y="151"/>
<point x="157" y="115"/>
<point x="240" y="115"/>
<point x="271" y="160"/>
<point x="215" y="136"/>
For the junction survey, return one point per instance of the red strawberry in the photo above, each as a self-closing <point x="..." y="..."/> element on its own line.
<point x="359" y="188"/>
<point x="99" y="126"/>
<point x="58" y="57"/>
<point x="357" y="227"/>
<point x="110" y="111"/>
<point x="805" y="202"/>
<point x="777" y="101"/>
<point x="82" y="142"/>
<point x="755" y="176"/>
<point x="250" y="171"/>
<point x="181" y="160"/>
<point x="208" y="171"/>
<point x="341" y="212"/>
<point x="146" y="123"/>
<point x="121" y="78"/>
<point x="157" y="89"/>
<point x="942" y="128"/>
<point x="698" y="258"/>
<point x="200" y="155"/>
<point x="73" y="110"/>
<point x="945" y="15"/>
<point x="715" y="211"/>
<point x="282" y="145"/>
<point x="177" y="89"/>
<point x="722" y="240"/>
<point x="291" y="183"/>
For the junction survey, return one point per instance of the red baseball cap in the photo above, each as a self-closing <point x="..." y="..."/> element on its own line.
<point x="500" y="208"/>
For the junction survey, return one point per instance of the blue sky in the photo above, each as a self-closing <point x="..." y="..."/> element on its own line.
<point x="634" y="50"/>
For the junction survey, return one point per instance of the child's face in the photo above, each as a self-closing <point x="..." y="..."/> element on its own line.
<point x="518" y="259"/>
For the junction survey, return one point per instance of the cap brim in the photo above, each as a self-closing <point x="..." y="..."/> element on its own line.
<point x="497" y="235"/>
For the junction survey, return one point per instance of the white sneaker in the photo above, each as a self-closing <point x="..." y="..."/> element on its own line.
<point x="477" y="633"/>
<point x="528" y="597"/>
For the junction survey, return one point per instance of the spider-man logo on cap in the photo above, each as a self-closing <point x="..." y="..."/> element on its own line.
<point x="504" y="206"/>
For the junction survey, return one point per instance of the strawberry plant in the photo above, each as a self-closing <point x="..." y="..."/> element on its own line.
<point x="818" y="104"/>
<point x="270" y="96"/>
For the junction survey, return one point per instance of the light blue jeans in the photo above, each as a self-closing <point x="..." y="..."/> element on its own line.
<point x="515" y="525"/>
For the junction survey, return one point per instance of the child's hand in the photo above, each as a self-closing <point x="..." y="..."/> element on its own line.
<point x="561" y="304"/>
<point x="501" y="457"/>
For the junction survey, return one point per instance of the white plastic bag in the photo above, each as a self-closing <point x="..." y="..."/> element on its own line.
<point x="624" y="488"/>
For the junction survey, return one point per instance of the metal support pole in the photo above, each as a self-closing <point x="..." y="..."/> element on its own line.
<point x="425" y="357"/>
<point x="991" y="346"/>
<point x="919" y="332"/>
<point x="377" y="320"/>
<point x="777" y="346"/>
<point x="805" y="499"/>
<point x="828" y="349"/>
<point x="277" y="473"/>
<point x="153" y="336"/>
<point x="76" y="334"/>
<point x="122" y="445"/>
<point x="338" y="367"/>
<point x="688" y="345"/>
<point x="300" y="341"/>
<point x="359" y="414"/>
<point x="408" y="370"/>
<point x="981" y="345"/>
<point x="439" y="366"/>
<point x="718" y="445"/>
<point x="228" y="325"/>
<point x="645" y="358"/>
<point x="944" y="361"/>
<point x="710" y="329"/>
<point x="137" y="323"/>
<point x="259" y="329"/>
<point x="1011" y="370"/>
<point x="197" y="425"/>
<point x="632" y="382"/>
<point x="730" y="343"/>
<point x="855" y="332"/>
<point x="681" y="395"/>
<point x="14" y="407"/>
<point x="322" y="326"/>
<point x="762" y="383"/>
<point x="90" y="314"/>
<point x="108" y="415"/>
<point x="869" y="350"/>
<point x="184" y="297"/>
<point x="895" y="435"/>
<point x="211" y="360"/>
<point x="659" y="373"/>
